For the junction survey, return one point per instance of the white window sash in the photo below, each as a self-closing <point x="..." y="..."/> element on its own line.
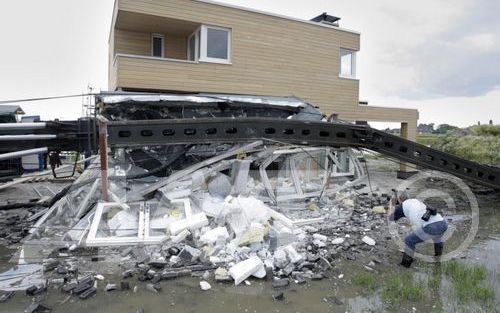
<point x="353" y="64"/>
<point x="204" y="44"/>
<point x="196" y="36"/>
<point x="162" y="37"/>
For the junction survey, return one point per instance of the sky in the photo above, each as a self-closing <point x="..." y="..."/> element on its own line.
<point x="440" y="57"/>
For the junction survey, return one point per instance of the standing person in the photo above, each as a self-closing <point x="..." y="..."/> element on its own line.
<point x="427" y="224"/>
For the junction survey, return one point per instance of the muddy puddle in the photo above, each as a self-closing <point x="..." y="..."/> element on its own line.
<point x="329" y="295"/>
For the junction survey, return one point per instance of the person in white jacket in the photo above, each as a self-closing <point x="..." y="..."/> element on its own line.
<point x="427" y="223"/>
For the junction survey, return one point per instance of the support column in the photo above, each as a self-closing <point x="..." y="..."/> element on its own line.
<point x="103" y="153"/>
<point x="408" y="131"/>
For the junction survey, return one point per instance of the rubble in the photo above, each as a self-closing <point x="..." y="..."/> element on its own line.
<point x="250" y="267"/>
<point x="286" y="221"/>
<point x="205" y="286"/>
<point x="369" y="241"/>
<point x="37" y="308"/>
<point x="222" y="275"/>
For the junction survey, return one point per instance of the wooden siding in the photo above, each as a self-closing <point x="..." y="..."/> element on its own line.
<point x="139" y="43"/>
<point x="270" y="56"/>
<point x="142" y="73"/>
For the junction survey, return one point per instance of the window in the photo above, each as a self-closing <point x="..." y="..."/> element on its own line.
<point x="158" y="45"/>
<point x="194" y="46"/>
<point x="347" y="63"/>
<point x="210" y="44"/>
<point x="217" y="43"/>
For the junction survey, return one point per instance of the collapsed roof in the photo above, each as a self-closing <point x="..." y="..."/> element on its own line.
<point x="141" y="106"/>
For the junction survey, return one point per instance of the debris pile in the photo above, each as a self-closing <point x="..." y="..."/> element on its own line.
<point x="225" y="212"/>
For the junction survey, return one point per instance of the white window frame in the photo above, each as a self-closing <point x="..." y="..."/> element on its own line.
<point x="353" y="63"/>
<point x="162" y="37"/>
<point x="203" y="45"/>
<point x="196" y="36"/>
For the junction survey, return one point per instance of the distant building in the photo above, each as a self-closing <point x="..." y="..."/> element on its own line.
<point x="10" y="113"/>
<point x="425" y="128"/>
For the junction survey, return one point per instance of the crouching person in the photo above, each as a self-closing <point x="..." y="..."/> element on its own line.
<point x="427" y="224"/>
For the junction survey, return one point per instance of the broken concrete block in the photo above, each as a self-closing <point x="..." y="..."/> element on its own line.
<point x="180" y="236"/>
<point x="319" y="243"/>
<point x="189" y="254"/>
<point x="347" y="202"/>
<point x="169" y="275"/>
<point x="195" y="221"/>
<point x="205" y="286"/>
<point x="173" y="251"/>
<point x="292" y="254"/>
<point x="288" y="269"/>
<point x="212" y="206"/>
<point x="88" y="293"/>
<point x="279" y="258"/>
<point x="378" y="209"/>
<point x="320" y="237"/>
<point x="99" y="277"/>
<point x="281" y="235"/>
<point x="239" y="176"/>
<point x="222" y="275"/>
<point x="254" y="234"/>
<point x="300" y="280"/>
<point x="220" y="186"/>
<point x="69" y="287"/>
<point x="111" y="287"/>
<point x="369" y="241"/>
<point x="338" y="241"/>
<point x="214" y="235"/>
<point x="81" y="288"/>
<point x="250" y="267"/>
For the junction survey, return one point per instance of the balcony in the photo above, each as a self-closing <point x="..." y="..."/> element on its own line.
<point x="142" y="44"/>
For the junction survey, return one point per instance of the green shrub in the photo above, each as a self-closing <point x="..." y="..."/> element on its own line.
<point x="486" y="130"/>
<point x="482" y="149"/>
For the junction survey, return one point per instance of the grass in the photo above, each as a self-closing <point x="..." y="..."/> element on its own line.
<point x="402" y="287"/>
<point x="364" y="279"/>
<point x="469" y="282"/>
<point x="434" y="281"/>
<point x="427" y="139"/>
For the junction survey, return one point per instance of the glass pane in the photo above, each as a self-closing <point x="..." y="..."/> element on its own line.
<point x="198" y="36"/>
<point x="157" y="47"/>
<point x="346" y="63"/>
<point x="311" y="169"/>
<point x="192" y="48"/>
<point x="217" y="43"/>
<point x="117" y="222"/>
<point x="161" y="215"/>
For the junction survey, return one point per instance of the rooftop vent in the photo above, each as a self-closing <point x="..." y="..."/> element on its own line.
<point x="327" y="19"/>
